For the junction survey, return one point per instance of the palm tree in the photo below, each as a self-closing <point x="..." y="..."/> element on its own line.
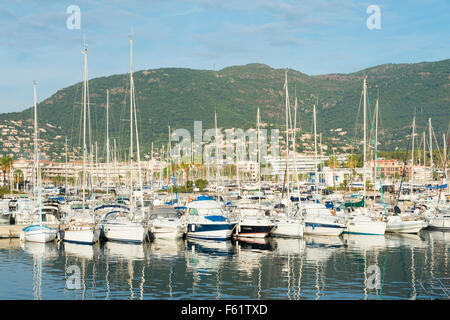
<point x="333" y="164"/>
<point x="186" y="168"/>
<point x="5" y="165"/>
<point x="351" y="164"/>
<point x="18" y="177"/>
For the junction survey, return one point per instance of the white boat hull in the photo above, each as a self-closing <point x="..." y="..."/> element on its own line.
<point x="323" y="231"/>
<point x="87" y="235"/>
<point x="39" y="235"/>
<point x="244" y="230"/>
<point x="125" y="232"/>
<point x="164" y="231"/>
<point x="366" y="227"/>
<point x="404" y="227"/>
<point x="442" y="223"/>
<point x="288" y="228"/>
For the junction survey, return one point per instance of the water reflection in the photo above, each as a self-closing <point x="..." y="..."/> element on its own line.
<point x="38" y="250"/>
<point x="313" y="267"/>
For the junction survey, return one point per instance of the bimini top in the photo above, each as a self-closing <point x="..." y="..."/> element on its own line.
<point x="163" y="212"/>
<point x="204" y="204"/>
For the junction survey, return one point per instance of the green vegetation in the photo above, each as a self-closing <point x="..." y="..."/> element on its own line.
<point x="201" y="184"/>
<point x="177" y="97"/>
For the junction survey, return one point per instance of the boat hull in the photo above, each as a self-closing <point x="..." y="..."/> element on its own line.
<point x="38" y="234"/>
<point x="366" y="227"/>
<point x="166" y="231"/>
<point x="439" y="223"/>
<point x="253" y="231"/>
<point x="214" y="231"/>
<point x="87" y="235"/>
<point x="405" y="227"/>
<point x="322" y="229"/>
<point x="124" y="233"/>
<point x="288" y="229"/>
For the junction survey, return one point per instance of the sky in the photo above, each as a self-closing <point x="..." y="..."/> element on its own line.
<point x="311" y="36"/>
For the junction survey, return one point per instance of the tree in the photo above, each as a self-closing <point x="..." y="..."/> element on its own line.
<point x="333" y="164"/>
<point x="6" y="166"/>
<point x="201" y="184"/>
<point x="18" y="177"/>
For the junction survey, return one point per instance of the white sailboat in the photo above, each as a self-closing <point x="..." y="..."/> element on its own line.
<point x="132" y="226"/>
<point x="286" y="224"/>
<point x="362" y="220"/>
<point x="404" y="222"/>
<point x="83" y="229"/>
<point x="38" y="233"/>
<point x="440" y="218"/>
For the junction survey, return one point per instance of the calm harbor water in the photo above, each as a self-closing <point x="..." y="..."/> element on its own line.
<point x="309" y="268"/>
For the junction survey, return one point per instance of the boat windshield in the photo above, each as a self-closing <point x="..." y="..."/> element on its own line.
<point x="163" y="213"/>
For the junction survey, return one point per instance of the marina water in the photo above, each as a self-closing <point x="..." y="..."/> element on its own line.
<point x="345" y="267"/>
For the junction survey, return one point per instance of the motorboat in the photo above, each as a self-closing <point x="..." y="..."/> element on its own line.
<point x="122" y="225"/>
<point x="254" y="220"/>
<point x="166" y="223"/>
<point x="206" y="219"/>
<point x="319" y="220"/>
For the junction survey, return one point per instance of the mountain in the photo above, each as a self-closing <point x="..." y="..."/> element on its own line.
<point x="178" y="96"/>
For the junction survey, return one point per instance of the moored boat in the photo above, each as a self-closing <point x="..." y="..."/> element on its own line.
<point x="206" y="220"/>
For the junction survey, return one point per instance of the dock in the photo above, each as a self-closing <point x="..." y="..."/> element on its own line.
<point x="11" y="231"/>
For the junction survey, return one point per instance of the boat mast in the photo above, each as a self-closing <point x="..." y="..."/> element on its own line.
<point x="36" y="160"/>
<point x="217" y="156"/>
<point x="294" y="147"/>
<point x="107" y="142"/>
<point x="431" y="144"/>
<point x="424" y="149"/>
<point x="375" y="167"/>
<point x="259" y="159"/>
<point x="131" y="122"/>
<point x="36" y="152"/>
<point x="444" y="172"/>
<point x="84" y="130"/>
<point x="316" y="180"/>
<point x="365" y="135"/>
<point x="138" y="152"/>
<point x="412" y="158"/>
<point x="287" y="135"/>
<point x="65" y="173"/>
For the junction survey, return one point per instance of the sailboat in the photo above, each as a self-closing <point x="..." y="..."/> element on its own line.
<point x="253" y="220"/>
<point x="84" y="229"/>
<point x="285" y="224"/>
<point x="362" y="221"/>
<point x="38" y="233"/>
<point x="122" y="225"/>
<point x="440" y="218"/>
<point x="403" y="222"/>
<point x="317" y="217"/>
